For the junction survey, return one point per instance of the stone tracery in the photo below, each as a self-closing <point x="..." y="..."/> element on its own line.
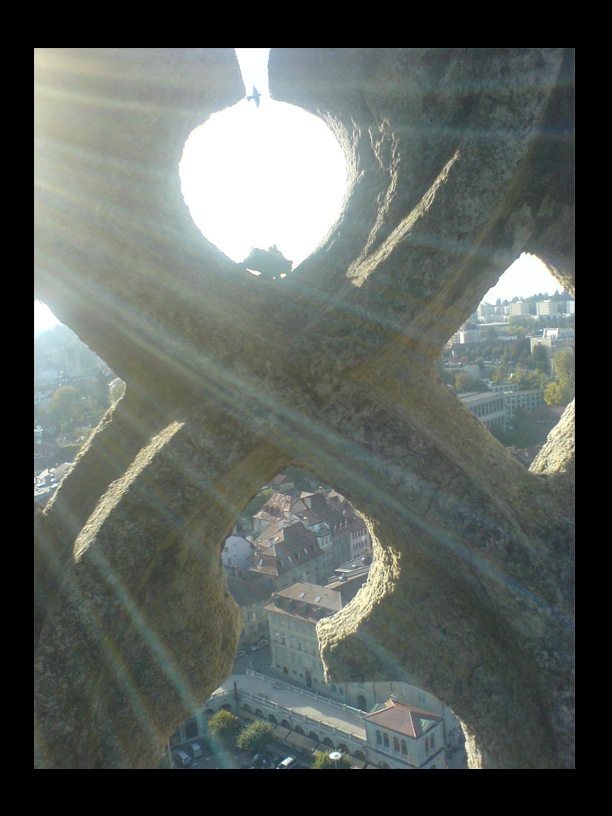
<point x="461" y="159"/>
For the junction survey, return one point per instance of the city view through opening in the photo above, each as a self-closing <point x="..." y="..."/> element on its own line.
<point x="299" y="551"/>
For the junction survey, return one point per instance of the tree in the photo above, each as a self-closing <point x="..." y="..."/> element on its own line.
<point x="559" y="392"/>
<point x="255" y="505"/>
<point x="565" y="365"/>
<point x="323" y="761"/>
<point x="66" y="407"/>
<point x="539" y="360"/>
<point x="464" y="382"/>
<point x="255" y="737"/>
<point x="224" y="725"/>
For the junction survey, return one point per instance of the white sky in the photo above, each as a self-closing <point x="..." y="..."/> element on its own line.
<point x="527" y="276"/>
<point x="274" y="174"/>
<point x="256" y="176"/>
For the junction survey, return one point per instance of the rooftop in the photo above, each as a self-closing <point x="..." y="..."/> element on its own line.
<point x="403" y="719"/>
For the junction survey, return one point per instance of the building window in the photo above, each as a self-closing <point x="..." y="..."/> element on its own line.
<point x="386" y="740"/>
<point x="396" y="745"/>
<point x="378" y="738"/>
<point x="432" y="741"/>
<point x="426" y="745"/>
<point x="404" y="747"/>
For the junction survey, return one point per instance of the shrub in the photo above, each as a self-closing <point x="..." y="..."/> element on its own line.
<point x="323" y="761"/>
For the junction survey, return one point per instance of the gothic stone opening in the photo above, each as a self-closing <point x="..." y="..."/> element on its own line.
<point x="461" y="159"/>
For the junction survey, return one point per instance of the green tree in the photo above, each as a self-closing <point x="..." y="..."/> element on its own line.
<point x="224" y="725"/>
<point x="564" y="364"/>
<point x="66" y="407"/>
<point x="464" y="382"/>
<point x="255" y="737"/>
<point x="539" y="360"/>
<point x="323" y="761"/>
<point x="559" y="392"/>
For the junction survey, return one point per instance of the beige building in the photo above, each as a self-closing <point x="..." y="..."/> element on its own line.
<point x="252" y="599"/>
<point x="285" y="554"/>
<point x="293" y="614"/>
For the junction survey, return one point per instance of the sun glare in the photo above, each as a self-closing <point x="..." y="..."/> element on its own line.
<point x="257" y="175"/>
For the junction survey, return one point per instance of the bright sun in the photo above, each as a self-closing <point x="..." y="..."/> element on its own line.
<point x="256" y="176"/>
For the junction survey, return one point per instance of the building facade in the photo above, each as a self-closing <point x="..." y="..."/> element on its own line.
<point x="407" y="737"/>
<point x="489" y="407"/>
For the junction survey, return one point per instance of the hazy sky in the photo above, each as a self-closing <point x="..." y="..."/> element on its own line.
<point x="274" y="174"/>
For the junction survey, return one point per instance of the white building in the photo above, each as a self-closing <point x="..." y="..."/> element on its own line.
<point x="407" y="737"/>
<point x="527" y="400"/>
<point x="519" y="308"/>
<point x="489" y="407"/>
<point x="547" y="307"/>
<point x="237" y="554"/>
<point x="470" y="336"/>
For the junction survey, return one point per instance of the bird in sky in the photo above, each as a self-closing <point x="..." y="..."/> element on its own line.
<point x="256" y="96"/>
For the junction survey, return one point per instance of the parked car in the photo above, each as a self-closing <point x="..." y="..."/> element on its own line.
<point x="196" y="750"/>
<point x="259" y="645"/>
<point x="240" y="653"/>
<point x="181" y="759"/>
<point x="287" y="763"/>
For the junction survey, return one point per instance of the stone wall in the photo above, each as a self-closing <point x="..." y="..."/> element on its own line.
<point x="460" y="160"/>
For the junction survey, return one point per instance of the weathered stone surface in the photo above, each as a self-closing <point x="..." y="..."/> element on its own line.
<point x="460" y="159"/>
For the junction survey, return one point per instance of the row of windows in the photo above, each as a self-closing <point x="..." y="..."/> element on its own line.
<point x="488" y="408"/>
<point x="295" y="625"/>
<point x="383" y="739"/>
<point x="297" y="659"/>
<point x="294" y="643"/>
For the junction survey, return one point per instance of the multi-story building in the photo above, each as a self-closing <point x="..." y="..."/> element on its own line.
<point x="553" y="341"/>
<point x="285" y="554"/>
<point x="237" y="555"/>
<point x="519" y="308"/>
<point x="547" y="307"/>
<point x="527" y="400"/>
<point x="293" y="614"/>
<point x="470" y="336"/>
<point x="252" y="599"/>
<point x="489" y="407"/>
<point x="407" y="737"/>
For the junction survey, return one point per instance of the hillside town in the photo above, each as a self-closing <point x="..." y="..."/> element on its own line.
<point x="300" y="551"/>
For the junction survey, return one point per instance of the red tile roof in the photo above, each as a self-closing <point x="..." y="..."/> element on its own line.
<point x="404" y="719"/>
